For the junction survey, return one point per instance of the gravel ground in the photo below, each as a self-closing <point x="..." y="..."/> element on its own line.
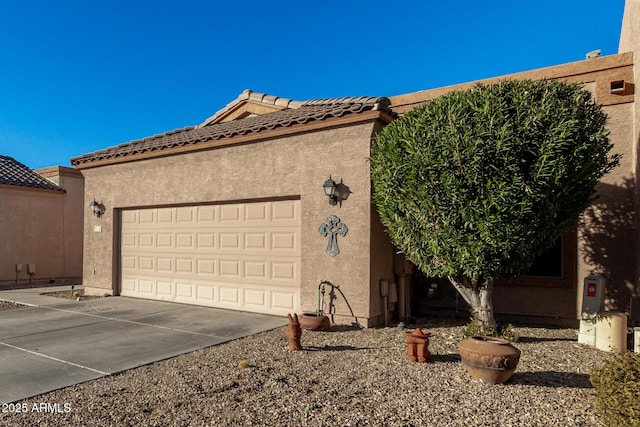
<point x="72" y="294"/>
<point x="6" y="305"/>
<point x="342" y="377"/>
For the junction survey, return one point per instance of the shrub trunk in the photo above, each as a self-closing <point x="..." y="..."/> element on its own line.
<point x="479" y="295"/>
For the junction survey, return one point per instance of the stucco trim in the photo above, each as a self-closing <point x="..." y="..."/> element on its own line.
<point x="53" y="171"/>
<point x="24" y="188"/>
<point x="366" y="116"/>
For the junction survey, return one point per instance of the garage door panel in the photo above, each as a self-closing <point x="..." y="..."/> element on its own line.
<point x="164" y="240"/>
<point x="255" y="297"/>
<point x="230" y="214"/>
<point x="256" y="269"/>
<point x="146" y="263"/>
<point x="283" y="301"/>
<point x="186" y="215"/>
<point x="207" y="214"/>
<point x="242" y="256"/>
<point x="256" y="240"/>
<point x="230" y="241"/>
<point x="185" y="290"/>
<point x="284" y="271"/>
<point x="185" y="266"/>
<point x="230" y="295"/>
<point x="162" y="216"/>
<point x="164" y="265"/>
<point x="146" y="287"/>
<point x="165" y="290"/>
<point x="129" y="217"/>
<point x="206" y="292"/>
<point x="185" y="241"/>
<point x="230" y="268"/>
<point x="129" y="263"/>
<point x="206" y="266"/>
<point x="146" y="216"/>
<point x="129" y="285"/>
<point x="129" y="240"/>
<point x="284" y="242"/>
<point x="206" y="241"/>
<point x="256" y="212"/>
<point x="286" y="212"/>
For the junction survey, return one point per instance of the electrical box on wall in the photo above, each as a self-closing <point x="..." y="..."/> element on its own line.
<point x="593" y="295"/>
<point x="18" y="268"/>
<point x="31" y="268"/>
<point x="592" y="304"/>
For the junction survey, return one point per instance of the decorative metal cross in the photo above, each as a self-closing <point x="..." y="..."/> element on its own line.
<point x="332" y="229"/>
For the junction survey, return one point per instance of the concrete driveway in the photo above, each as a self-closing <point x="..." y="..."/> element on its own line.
<point x="56" y="343"/>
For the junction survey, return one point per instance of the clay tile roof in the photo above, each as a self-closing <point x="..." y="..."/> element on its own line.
<point x="297" y="113"/>
<point x="12" y="172"/>
<point x="249" y="95"/>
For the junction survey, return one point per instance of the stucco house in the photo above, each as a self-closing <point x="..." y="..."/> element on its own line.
<point x="41" y="223"/>
<point x="232" y="212"/>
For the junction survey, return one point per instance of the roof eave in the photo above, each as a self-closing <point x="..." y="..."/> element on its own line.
<point x="366" y="116"/>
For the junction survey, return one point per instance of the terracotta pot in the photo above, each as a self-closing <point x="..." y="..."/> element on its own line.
<point x="313" y="322"/>
<point x="488" y="359"/>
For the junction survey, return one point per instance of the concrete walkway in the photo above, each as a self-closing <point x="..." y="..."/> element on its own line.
<point x="56" y="343"/>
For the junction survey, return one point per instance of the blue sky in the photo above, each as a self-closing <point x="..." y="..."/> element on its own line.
<point x="79" y="76"/>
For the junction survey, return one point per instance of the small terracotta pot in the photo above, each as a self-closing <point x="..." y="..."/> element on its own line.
<point x="418" y="346"/>
<point x="488" y="359"/>
<point x="293" y="332"/>
<point x="313" y="322"/>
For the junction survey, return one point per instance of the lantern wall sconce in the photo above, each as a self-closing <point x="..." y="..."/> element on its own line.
<point x="330" y="191"/>
<point x="98" y="209"/>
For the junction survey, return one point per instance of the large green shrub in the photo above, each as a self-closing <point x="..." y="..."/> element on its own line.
<point x="477" y="183"/>
<point x="617" y="385"/>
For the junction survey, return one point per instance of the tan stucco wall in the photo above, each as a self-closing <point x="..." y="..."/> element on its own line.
<point x="606" y="245"/>
<point x="630" y="42"/>
<point x="292" y="166"/>
<point x="382" y="263"/>
<point x="44" y="228"/>
<point x="630" y="32"/>
<point x="73" y="183"/>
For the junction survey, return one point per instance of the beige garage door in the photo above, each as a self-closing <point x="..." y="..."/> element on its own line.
<point x="238" y="256"/>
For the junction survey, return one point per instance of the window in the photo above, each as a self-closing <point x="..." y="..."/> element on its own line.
<point x="550" y="263"/>
<point x="554" y="268"/>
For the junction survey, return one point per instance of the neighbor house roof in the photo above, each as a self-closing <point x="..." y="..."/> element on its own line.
<point x="12" y="172"/>
<point x="293" y="113"/>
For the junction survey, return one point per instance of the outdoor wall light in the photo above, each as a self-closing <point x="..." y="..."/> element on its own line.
<point x="98" y="209"/>
<point x="330" y="190"/>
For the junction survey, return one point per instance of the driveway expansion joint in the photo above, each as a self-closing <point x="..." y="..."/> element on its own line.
<point x="35" y="353"/>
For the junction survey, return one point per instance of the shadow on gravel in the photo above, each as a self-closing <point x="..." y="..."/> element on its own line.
<point x="543" y="339"/>
<point x="338" y="348"/>
<point x="445" y="358"/>
<point x="344" y="328"/>
<point x="551" y="379"/>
